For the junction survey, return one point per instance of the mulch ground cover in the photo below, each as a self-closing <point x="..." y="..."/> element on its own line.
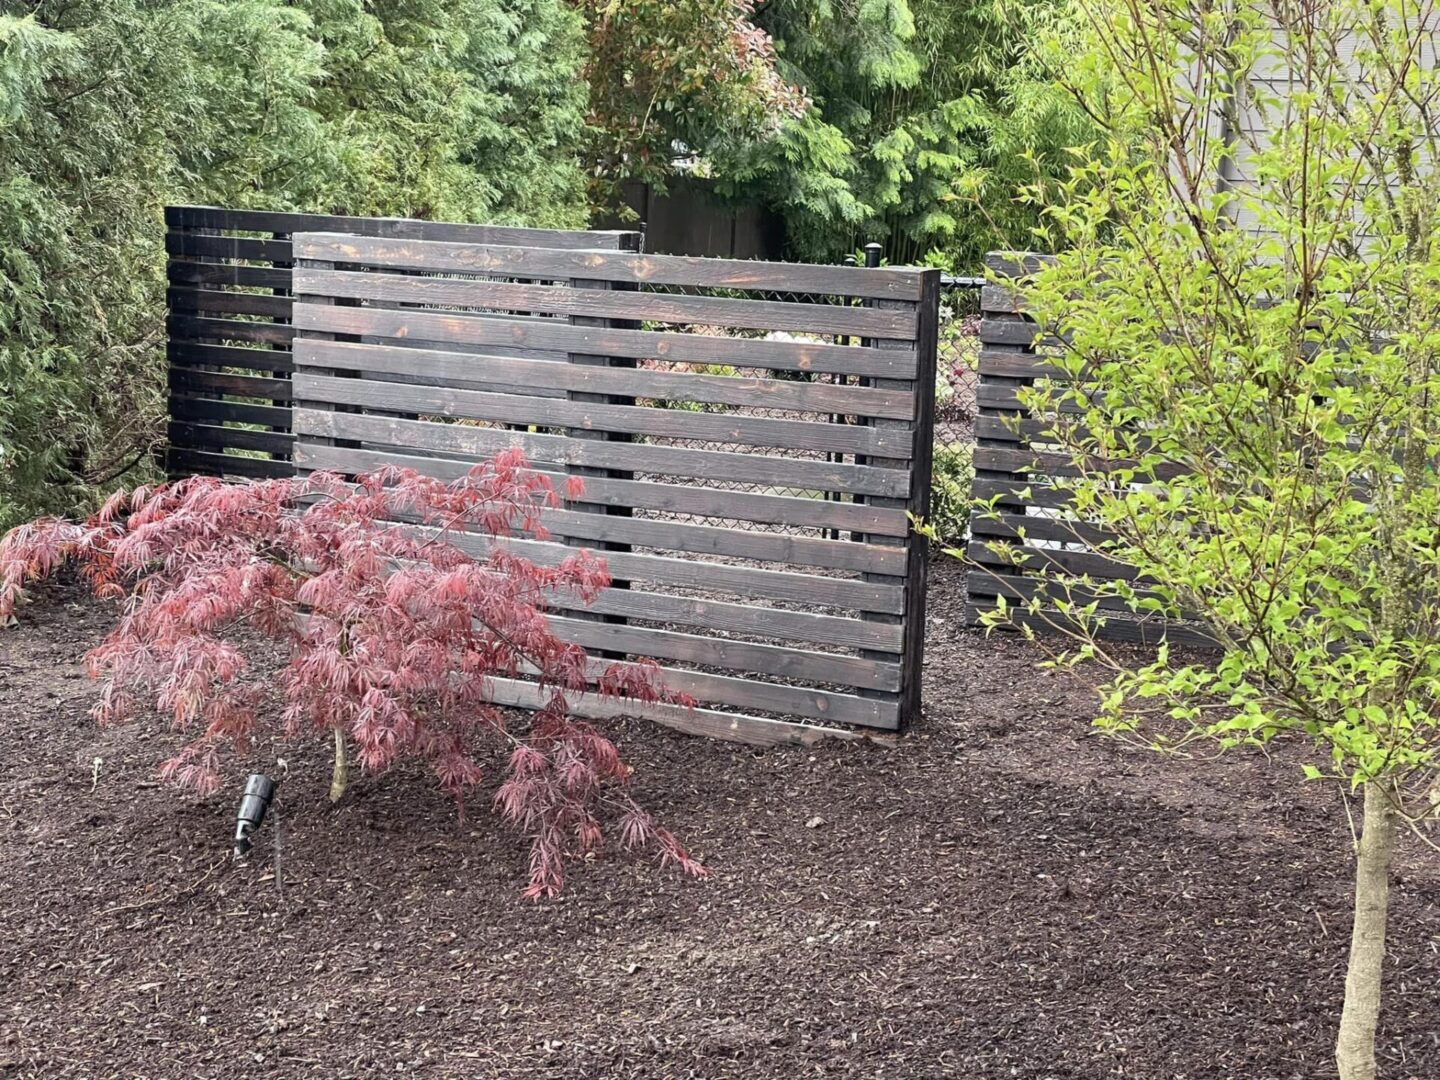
<point x="1006" y="894"/>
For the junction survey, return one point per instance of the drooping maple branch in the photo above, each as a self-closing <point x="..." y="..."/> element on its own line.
<point x="401" y="634"/>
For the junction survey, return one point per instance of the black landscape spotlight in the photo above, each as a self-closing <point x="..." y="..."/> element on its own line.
<point x="259" y="790"/>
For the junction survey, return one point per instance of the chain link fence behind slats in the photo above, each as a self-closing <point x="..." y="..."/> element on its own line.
<point x="959" y="353"/>
<point x="956" y="381"/>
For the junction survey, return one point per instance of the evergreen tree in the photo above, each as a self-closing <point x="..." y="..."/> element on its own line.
<point x="463" y="109"/>
<point x="523" y="144"/>
<point x="692" y="81"/>
<point x="928" y="117"/>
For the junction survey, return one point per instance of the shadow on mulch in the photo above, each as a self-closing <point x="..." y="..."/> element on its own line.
<point x="1006" y="895"/>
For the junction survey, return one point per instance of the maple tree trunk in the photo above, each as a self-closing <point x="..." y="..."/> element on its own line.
<point x="341" y="775"/>
<point x="1355" y="1047"/>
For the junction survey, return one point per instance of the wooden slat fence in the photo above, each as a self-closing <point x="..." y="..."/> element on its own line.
<point x="230" y="298"/>
<point x="749" y="458"/>
<point x="1013" y="467"/>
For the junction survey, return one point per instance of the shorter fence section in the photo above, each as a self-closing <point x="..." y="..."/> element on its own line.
<point x="752" y="439"/>
<point x="230" y="327"/>
<point x="1016" y="467"/>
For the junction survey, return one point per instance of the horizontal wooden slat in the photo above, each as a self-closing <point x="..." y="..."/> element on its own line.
<point x="228" y="302"/>
<point x="1006" y="397"/>
<point x="182" y="461"/>
<point x="684" y="309"/>
<point x="1019" y="490"/>
<point x="739" y="543"/>
<point x="1007" y="331"/>
<point x="201" y="409"/>
<point x="211" y="382"/>
<point x="1054" y="464"/>
<point x="1009" y="527"/>
<point x="718" y="652"/>
<point x="1144" y="632"/>
<point x="734" y="727"/>
<point x="628" y="419"/>
<point x="537" y="262"/>
<point x="552" y="334"/>
<point x="1073" y="562"/>
<point x="779" y="510"/>
<point x="1016" y="263"/>
<point x="479" y="443"/>
<point x="184" y="326"/>
<point x="727" y="578"/>
<point x="450" y="366"/>
<point x="1002" y="299"/>
<point x="1018" y="365"/>
<point x="1013" y="428"/>
<point x="771" y="697"/>
<point x="254" y="277"/>
<point x="191" y="354"/>
<point x="219" y="438"/>
<point x="762" y="622"/>
<point x="266" y="221"/>
<point x="200" y="245"/>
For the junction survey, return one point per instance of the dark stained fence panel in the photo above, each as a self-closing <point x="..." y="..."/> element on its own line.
<point x="231" y="309"/>
<point x="749" y="461"/>
<point x="1035" y="533"/>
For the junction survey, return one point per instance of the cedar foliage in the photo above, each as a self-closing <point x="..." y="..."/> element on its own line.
<point x="913" y="122"/>
<point x="461" y="109"/>
<point x="394" y="634"/>
<point x="930" y="115"/>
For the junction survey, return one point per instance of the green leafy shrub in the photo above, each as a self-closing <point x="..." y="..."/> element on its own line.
<point x="951" y="473"/>
<point x="1248" y="313"/>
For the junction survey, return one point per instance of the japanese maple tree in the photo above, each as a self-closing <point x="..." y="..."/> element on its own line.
<point x="394" y="633"/>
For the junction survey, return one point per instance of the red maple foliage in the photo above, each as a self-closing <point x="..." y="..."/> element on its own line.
<point x="394" y="634"/>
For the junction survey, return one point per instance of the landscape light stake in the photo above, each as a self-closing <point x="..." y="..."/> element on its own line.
<point x="259" y="790"/>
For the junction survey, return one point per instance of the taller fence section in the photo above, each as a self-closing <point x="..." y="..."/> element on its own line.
<point x="230" y="298"/>
<point x="752" y="438"/>
<point x="1035" y="533"/>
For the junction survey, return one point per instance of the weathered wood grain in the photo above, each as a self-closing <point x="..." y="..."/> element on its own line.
<point x="629" y="419"/>
<point x="781" y="510"/>
<point x="734" y="727"/>
<point x="678" y="308"/>
<point x="462" y="329"/>
<point x="266" y="221"/>
<point x="477" y="443"/>
<point x="550" y="263"/>
<point x="446" y="367"/>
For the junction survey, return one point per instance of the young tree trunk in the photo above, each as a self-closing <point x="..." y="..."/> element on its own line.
<point x="1355" y="1047"/>
<point x="341" y="775"/>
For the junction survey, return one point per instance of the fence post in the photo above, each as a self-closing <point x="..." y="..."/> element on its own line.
<point x="581" y="506"/>
<point x="174" y="226"/>
<point x="917" y="501"/>
<point x="288" y="320"/>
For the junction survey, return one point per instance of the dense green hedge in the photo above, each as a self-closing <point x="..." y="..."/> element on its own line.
<point x="109" y="109"/>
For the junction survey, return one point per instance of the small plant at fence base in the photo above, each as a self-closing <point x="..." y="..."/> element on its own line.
<point x="394" y="633"/>
<point x="952" y="471"/>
